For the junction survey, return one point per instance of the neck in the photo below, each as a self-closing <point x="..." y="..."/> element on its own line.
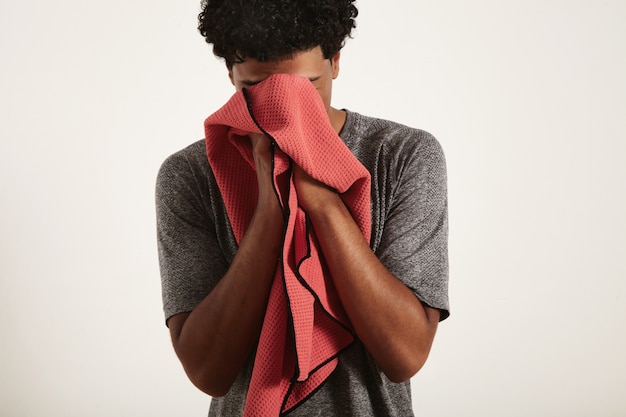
<point x="337" y="119"/>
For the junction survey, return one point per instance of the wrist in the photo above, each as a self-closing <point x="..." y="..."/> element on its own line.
<point x="325" y="203"/>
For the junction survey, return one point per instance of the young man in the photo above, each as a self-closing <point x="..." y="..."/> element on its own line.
<point x="393" y="290"/>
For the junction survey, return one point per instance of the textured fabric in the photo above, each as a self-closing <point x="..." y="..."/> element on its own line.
<point x="409" y="235"/>
<point x="289" y="110"/>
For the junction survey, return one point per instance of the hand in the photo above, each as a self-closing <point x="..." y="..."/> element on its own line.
<point x="312" y="194"/>
<point x="260" y="144"/>
<point x="261" y="151"/>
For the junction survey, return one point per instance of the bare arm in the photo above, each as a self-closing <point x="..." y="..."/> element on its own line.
<point x="215" y="339"/>
<point x="391" y="322"/>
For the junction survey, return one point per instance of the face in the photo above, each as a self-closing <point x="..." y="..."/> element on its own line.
<point x="310" y="64"/>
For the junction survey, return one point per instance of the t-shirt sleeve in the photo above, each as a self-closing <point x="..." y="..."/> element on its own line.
<point x="414" y="244"/>
<point x="190" y="260"/>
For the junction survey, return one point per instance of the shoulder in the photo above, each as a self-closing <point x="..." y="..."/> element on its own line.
<point x="386" y="140"/>
<point x="190" y="157"/>
<point x="184" y="181"/>
<point x="186" y="165"/>
<point x="364" y="132"/>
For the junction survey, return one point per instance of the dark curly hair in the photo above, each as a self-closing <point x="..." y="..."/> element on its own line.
<point x="269" y="30"/>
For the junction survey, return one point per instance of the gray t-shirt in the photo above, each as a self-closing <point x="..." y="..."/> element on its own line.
<point x="409" y="236"/>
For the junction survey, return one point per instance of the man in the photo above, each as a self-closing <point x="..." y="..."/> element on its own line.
<point x="393" y="290"/>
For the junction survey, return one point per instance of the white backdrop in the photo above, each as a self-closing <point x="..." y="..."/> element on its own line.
<point x="528" y="99"/>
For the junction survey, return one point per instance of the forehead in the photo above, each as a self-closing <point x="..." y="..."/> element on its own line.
<point x="306" y="64"/>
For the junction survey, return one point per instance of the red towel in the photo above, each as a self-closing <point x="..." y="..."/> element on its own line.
<point x="305" y="327"/>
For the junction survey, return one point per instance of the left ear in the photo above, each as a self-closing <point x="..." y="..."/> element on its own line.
<point x="334" y="64"/>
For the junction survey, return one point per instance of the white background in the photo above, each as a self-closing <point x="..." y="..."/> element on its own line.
<point x="528" y="99"/>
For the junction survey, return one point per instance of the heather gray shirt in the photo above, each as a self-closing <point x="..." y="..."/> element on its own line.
<point x="409" y="236"/>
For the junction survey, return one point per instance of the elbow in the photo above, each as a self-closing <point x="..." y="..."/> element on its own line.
<point x="399" y="376"/>
<point x="403" y="370"/>
<point x="209" y="381"/>
<point x="410" y="357"/>
<point x="214" y="390"/>
<point x="204" y="369"/>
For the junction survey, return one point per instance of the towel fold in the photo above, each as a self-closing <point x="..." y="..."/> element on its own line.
<point x="305" y="327"/>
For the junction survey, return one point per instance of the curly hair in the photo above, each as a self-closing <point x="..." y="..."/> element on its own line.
<point x="269" y="30"/>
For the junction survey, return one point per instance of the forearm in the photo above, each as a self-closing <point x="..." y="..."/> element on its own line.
<point x="222" y="330"/>
<point x="217" y="337"/>
<point x="390" y="321"/>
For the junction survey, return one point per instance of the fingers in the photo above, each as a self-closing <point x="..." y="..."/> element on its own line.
<point x="261" y="146"/>
<point x="259" y="142"/>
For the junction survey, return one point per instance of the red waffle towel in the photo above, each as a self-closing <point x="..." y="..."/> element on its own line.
<point x="305" y="327"/>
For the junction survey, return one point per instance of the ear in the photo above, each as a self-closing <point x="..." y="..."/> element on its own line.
<point x="334" y="64"/>
<point x="230" y="74"/>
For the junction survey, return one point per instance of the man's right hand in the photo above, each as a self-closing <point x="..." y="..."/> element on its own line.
<point x="215" y="339"/>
